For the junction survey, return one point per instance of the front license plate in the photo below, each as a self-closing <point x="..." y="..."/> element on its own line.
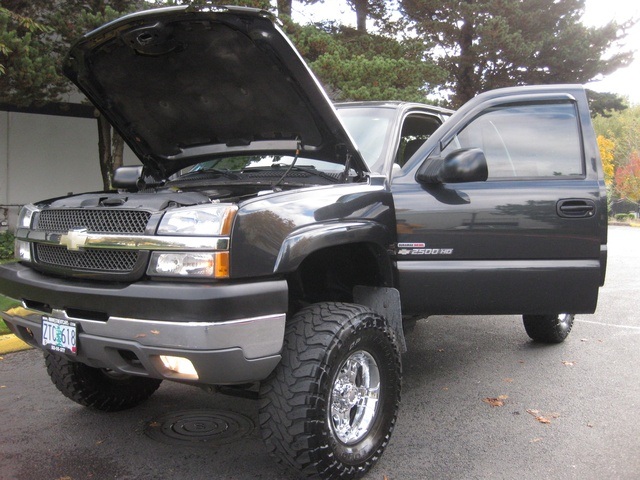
<point x="59" y="335"/>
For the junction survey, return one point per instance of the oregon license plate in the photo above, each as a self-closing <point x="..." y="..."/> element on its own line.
<point x="59" y="335"/>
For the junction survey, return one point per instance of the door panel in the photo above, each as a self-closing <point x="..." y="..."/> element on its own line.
<point x="528" y="240"/>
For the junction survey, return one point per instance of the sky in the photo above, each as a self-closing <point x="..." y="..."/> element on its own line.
<point x="624" y="82"/>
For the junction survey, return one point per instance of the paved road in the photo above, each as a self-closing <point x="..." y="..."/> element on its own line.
<point x="588" y="388"/>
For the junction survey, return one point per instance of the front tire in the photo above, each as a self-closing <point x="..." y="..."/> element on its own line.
<point x="548" y="328"/>
<point x="330" y="406"/>
<point x="98" y="388"/>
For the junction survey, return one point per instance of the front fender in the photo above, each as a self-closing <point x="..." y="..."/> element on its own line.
<point x="301" y="243"/>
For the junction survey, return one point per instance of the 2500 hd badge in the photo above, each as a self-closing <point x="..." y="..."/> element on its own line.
<point x="419" y="249"/>
<point x="275" y="242"/>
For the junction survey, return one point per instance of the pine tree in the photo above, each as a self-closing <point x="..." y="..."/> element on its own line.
<point x="486" y="44"/>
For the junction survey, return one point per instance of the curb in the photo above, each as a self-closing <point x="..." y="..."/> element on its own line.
<point x="10" y="344"/>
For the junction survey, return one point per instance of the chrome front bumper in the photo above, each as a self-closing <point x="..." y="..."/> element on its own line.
<point x="237" y="351"/>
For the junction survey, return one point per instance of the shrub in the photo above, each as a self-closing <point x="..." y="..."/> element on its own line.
<point x="6" y="246"/>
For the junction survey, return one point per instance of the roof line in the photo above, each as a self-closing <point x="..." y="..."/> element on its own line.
<point x="61" y="109"/>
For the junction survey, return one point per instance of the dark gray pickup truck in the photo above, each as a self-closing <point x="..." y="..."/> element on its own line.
<point x="273" y="243"/>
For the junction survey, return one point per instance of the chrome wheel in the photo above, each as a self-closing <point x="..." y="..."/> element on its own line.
<point x="354" y="397"/>
<point x="330" y="406"/>
<point x="565" y="322"/>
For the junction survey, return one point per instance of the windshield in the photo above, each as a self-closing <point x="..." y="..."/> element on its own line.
<point x="247" y="162"/>
<point x="370" y="129"/>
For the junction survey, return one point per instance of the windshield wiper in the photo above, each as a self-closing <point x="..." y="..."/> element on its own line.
<point x="303" y="168"/>
<point x="225" y="173"/>
<point x="312" y="170"/>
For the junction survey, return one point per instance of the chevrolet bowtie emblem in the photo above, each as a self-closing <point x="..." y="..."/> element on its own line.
<point x="74" y="239"/>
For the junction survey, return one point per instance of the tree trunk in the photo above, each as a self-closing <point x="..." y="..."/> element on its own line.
<point x="362" y="12"/>
<point x="466" y="85"/>
<point x="110" y="151"/>
<point x="284" y="8"/>
<point x="117" y="151"/>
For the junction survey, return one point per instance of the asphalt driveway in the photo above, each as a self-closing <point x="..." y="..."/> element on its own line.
<point x="479" y="401"/>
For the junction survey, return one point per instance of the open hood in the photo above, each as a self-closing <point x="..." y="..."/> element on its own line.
<point x="187" y="84"/>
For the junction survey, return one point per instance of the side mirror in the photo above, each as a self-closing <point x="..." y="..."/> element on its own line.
<point x="460" y="166"/>
<point x="127" y="177"/>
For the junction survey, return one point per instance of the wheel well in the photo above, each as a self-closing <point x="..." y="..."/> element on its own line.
<point x="331" y="273"/>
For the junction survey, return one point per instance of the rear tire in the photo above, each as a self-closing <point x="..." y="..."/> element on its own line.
<point x="548" y="328"/>
<point x="98" y="388"/>
<point x="330" y="406"/>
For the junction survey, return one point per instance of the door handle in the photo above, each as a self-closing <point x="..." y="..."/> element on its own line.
<point x="576" y="208"/>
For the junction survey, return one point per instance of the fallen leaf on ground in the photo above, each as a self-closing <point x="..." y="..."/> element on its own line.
<point x="539" y="417"/>
<point x="497" y="401"/>
<point x="508" y="380"/>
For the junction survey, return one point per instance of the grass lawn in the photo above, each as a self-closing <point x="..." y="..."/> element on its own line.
<point x="6" y="303"/>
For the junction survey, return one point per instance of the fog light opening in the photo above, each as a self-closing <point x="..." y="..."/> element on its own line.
<point x="22" y="251"/>
<point x="179" y="365"/>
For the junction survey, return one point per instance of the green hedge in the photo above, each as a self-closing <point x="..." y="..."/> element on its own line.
<point x="6" y="246"/>
<point x="624" y="217"/>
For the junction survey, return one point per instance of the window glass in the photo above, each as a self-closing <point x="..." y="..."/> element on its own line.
<point x="530" y="140"/>
<point x="416" y="129"/>
<point x="245" y="162"/>
<point x="370" y="128"/>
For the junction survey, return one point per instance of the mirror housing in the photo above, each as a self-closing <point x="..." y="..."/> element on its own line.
<point x="460" y="166"/>
<point x="127" y="177"/>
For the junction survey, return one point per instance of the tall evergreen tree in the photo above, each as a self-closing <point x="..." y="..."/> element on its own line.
<point x="33" y="58"/>
<point x="356" y="66"/>
<point x="486" y="44"/>
<point x="364" y="9"/>
<point x="28" y="73"/>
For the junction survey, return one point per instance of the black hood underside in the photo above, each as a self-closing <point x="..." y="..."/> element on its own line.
<point x="184" y="85"/>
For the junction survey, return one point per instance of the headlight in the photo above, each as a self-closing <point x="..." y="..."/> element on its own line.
<point x="22" y="249"/>
<point x="200" y="220"/>
<point x="26" y="215"/>
<point x="189" y="264"/>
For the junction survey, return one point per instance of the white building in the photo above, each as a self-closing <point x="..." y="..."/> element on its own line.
<point x="47" y="152"/>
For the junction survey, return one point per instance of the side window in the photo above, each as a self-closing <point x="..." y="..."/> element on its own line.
<point x="530" y="140"/>
<point x="416" y="129"/>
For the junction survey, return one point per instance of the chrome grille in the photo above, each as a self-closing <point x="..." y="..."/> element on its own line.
<point x="86" y="260"/>
<point x="95" y="220"/>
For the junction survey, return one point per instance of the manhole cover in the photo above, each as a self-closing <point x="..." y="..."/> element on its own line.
<point x="199" y="427"/>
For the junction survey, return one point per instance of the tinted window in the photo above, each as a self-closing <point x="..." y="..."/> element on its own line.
<point x="535" y="140"/>
<point x="416" y="129"/>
